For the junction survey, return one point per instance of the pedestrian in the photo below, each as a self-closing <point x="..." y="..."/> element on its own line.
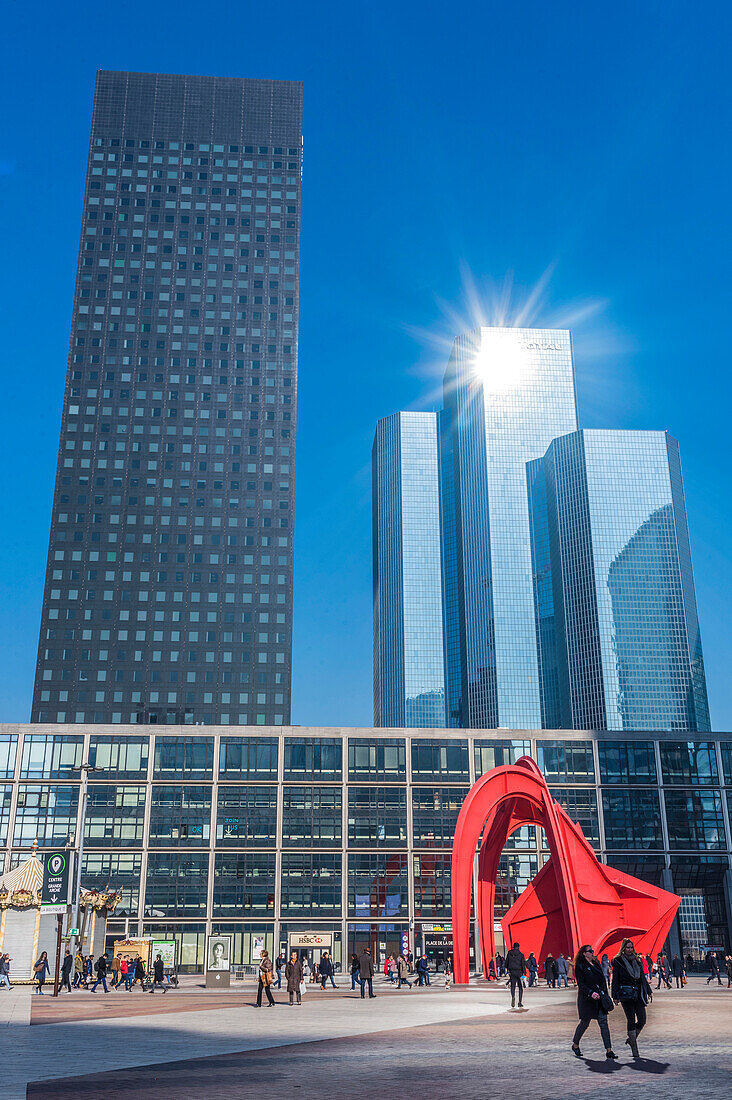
<point x="5" y="970"/>
<point x="533" y="968"/>
<point x="713" y="968"/>
<point x="499" y="964"/>
<point x="632" y="989"/>
<point x="40" y="970"/>
<point x="605" y="964"/>
<point x="402" y="972"/>
<point x="593" y="999"/>
<point x="677" y="969"/>
<point x="279" y="963"/>
<point x="266" y="979"/>
<point x="158" y="974"/>
<point x="392" y="964"/>
<point x="124" y="973"/>
<point x="354" y="970"/>
<point x="562" y="971"/>
<point x="689" y="961"/>
<point x="115" y="971"/>
<point x="366" y="972"/>
<point x="88" y="970"/>
<point x="326" y="970"/>
<point x="66" y="965"/>
<point x="728" y="968"/>
<point x="101" y="970"/>
<point x="423" y="970"/>
<point x="663" y="972"/>
<point x="516" y="967"/>
<point x="293" y="976"/>
<point x="410" y="961"/>
<point x="550" y="971"/>
<point x="138" y="974"/>
<point x="492" y="970"/>
<point x="306" y="972"/>
<point x="648" y="968"/>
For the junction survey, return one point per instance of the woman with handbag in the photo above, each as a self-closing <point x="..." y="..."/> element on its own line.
<point x="593" y="1000"/>
<point x="266" y="977"/>
<point x="632" y="990"/>
<point x="40" y="970"/>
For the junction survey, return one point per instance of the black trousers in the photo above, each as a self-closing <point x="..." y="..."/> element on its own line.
<point x="516" y="984"/>
<point x="65" y="980"/>
<point x="604" y="1029"/>
<point x="267" y="990"/>
<point x="635" y="1013"/>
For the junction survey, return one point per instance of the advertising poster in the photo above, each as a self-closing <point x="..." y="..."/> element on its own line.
<point x="166" y="950"/>
<point x="257" y="947"/>
<point x="218" y="954"/>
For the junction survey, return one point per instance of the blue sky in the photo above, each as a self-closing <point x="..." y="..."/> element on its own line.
<point x="571" y="156"/>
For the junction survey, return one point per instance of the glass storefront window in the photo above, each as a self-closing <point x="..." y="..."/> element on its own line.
<point x="246" y="941"/>
<point x="442" y="760"/>
<point x="51" y="756"/>
<point x="105" y="870"/>
<point x="188" y="758"/>
<point x="312" y="759"/>
<point x="176" y="884"/>
<point x="180" y="816"/>
<point x="632" y="818"/>
<point x="688" y="763"/>
<point x="246" y="815"/>
<point x="494" y="754"/>
<point x="434" y="815"/>
<point x="244" y="883"/>
<point x="627" y="761"/>
<point x="312" y="816"/>
<point x="115" y="815"/>
<point x="377" y="884"/>
<point x="46" y="813"/>
<point x="695" y="819"/>
<point x="8" y="752"/>
<point x="6" y="793"/>
<point x="383" y="760"/>
<point x="377" y="816"/>
<point x="190" y="943"/>
<point x="566" y="761"/>
<point x="580" y="804"/>
<point x="432" y="884"/>
<point x="311" y="884"/>
<point x="248" y="758"/>
<point x="124" y="757"/>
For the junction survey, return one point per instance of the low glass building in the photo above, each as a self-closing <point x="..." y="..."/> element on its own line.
<point x="288" y="834"/>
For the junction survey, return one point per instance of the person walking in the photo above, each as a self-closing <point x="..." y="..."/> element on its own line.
<point x="66" y="965"/>
<point x="366" y="972"/>
<point x="101" y="969"/>
<point x="293" y="976"/>
<point x="516" y="967"/>
<point x="266" y="979"/>
<point x="499" y="964"/>
<point x="138" y="974"/>
<point x="562" y="971"/>
<point x="664" y="974"/>
<point x="728" y="969"/>
<point x="550" y="971"/>
<point x="605" y="964"/>
<point x="279" y="963"/>
<point x="632" y="990"/>
<point x="533" y="968"/>
<point x="40" y="970"/>
<point x="392" y="969"/>
<point x="124" y="973"/>
<point x="88" y="970"/>
<point x="402" y="972"/>
<point x="423" y="970"/>
<point x="115" y="971"/>
<point x="326" y="970"/>
<point x="677" y="969"/>
<point x="353" y="967"/>
<point x="78" y="968"/>
<point x="5" y="961"/>
<point x="158" y="974"/>
<point x="593" y="1000"/>
<point x="713" y="968"/>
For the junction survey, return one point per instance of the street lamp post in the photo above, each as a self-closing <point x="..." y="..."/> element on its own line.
<point x="85" y="769"/>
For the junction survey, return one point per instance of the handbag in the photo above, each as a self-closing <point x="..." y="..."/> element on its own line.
<point x="606" y="1002"/>
<point x="628" y="993"/>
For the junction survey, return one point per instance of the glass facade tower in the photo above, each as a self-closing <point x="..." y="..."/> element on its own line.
<point x="619" y="647"/>
<point x="168" y="593"/>
<point x="409" y="679"/>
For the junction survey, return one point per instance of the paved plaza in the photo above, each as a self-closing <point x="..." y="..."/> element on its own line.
<point x="431" y="1043"/>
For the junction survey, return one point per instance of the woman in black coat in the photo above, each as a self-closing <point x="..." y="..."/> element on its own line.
<point x="632" y="990"/>
<point x="593" y="999"/>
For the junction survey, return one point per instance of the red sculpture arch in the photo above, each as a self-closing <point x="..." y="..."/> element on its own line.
<point x="574" y="899"/>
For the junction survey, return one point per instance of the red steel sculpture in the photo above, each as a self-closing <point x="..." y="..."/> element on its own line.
<point x="574" y="899"/>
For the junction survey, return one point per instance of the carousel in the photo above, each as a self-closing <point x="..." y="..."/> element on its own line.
<point x="24" y="929"/>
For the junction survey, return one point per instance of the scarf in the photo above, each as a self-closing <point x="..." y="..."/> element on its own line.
<point x="633" y="966"/>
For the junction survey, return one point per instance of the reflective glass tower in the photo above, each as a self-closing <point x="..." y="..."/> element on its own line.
<point x="618" y="633"/>
<point x="168" y="593"/>
<point x="409" y="679"/>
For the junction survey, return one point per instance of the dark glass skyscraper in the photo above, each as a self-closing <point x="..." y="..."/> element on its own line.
<point x="168" y="592"/>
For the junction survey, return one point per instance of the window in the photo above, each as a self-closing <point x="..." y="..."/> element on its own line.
<point x="566" y="761"/>
<point x="50" y="756"/>
<point x="8" y="750"/>
<point x="248" y="758"/>
<point x="494" y="754"/>
<point x="377" y="816"/>
<point x="445" y="760"/>
<point x="115" y="815"/>
<point x="311" y="816"/>
<point x="434" y="815"/>
<point x="176" y="884"/>
<point x="311" y="884"/>
<point x="6" y="792"/>
<point x="688" y="762"/>
<point x="377" y="884"/>
<point x="183" y="758"/>
<point x="515" y="872"/>
<point x="580" y="804"/>
<point x="105" y="870"/>
<point x="627" y="761"/>
<point x="695" y="819"/>
<point x="377" y="761"/>
<point x="244" y="883"/>
<point x="726" y="747"/>
<point x="45" y="813"/>
<point x="312" y="759"/>
<point x="125" y="757"/>
<point x="632" y="818"/>
<point x="246" y="815"/>
<point x="180" y="816"/>
<point x="432" y="884"/>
